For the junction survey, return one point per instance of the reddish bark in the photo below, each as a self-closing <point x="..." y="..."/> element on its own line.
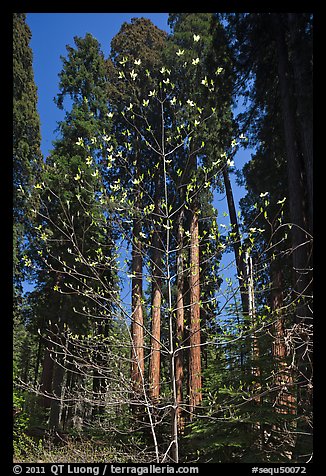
<point x="195" y="379"/>
<point x="179" y="373"/>
<point x="285" y="400"/>
<point x="155" y="360"/>
<point x="155" y="357"/>
<point x="137" y="330"/>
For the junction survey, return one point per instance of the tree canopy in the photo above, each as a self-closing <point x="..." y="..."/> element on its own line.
<point x="137" y="343"/>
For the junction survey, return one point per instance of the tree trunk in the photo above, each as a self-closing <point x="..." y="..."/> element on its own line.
<point x="285" y="401"/>
<point x="46" y="377"/>
<point x="99" y="381"/>
<point x="294" y="171"/>
<point x="137" y="331"/>
<point x="303" y="89"/>
<point x="195" y="378"/>
<point x="239" y="255"/>
<point x="58" y="370"/>
<point x="137" y="318"/>
<point x="38" y="360"/>
<point x="68" y="391"/>
<point x="57" y="389"/>
<point x="155" y="358"/>
<point x="180" y="319"/>
<point x="301" y="244"/>
<point x="255" y="351"/>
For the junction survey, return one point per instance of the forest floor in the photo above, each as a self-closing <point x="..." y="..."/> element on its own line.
<point x="71" y="450"/>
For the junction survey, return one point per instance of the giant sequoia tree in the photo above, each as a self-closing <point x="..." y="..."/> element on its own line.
<point x="140" y="43"/>
<point x="199" y="41"/>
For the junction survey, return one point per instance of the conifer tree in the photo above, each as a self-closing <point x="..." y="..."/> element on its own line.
<point x="69" y="192"/>
<point x="138" y="48"/>
<point x="26" y="143"/>
<point x="27" y="160"/>
<point x="126" y="198"/>
<point x="281" y="154"/>
<point x="198" y="40"/>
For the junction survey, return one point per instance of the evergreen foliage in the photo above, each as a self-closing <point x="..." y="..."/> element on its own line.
<point x="132" y="340"/>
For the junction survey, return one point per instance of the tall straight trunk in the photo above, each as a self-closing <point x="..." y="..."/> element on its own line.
<point x="301" y="249"/>
<point x="38" y="360"/>
<point x="68" y="394"/>
<point x="180" y="318"/>
<point x="258" y="426"/>
<point x="137" y="330"/>
<point x="255" y="351"/>
<point x="238" y="252"/>
<point x="155" y="358"/>
<point x="137" y="318"/>
<point x="285" y="401"/>
<point x="98" y="389"/>
<point x="294" y="170"/>
<point x="239" y="256"/>
<point x="303" y="85"/>
<point x="99" y="381"/>
<point x="195" y="378"/>
<point x="57" y="388"/>
<point x="58" y="371"/>
<point x="47" y="376"/>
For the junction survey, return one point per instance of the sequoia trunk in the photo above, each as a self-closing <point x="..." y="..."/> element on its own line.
<point x="295" y="171"/>
<point x="137" y="330"/>
<point x="180" y="316"/>
<point x="195" y="379"/>
<point x="285" y="400"/>
<point x="155" y="358"/>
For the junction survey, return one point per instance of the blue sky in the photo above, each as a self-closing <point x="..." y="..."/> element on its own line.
<point x="51" y="32"/>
